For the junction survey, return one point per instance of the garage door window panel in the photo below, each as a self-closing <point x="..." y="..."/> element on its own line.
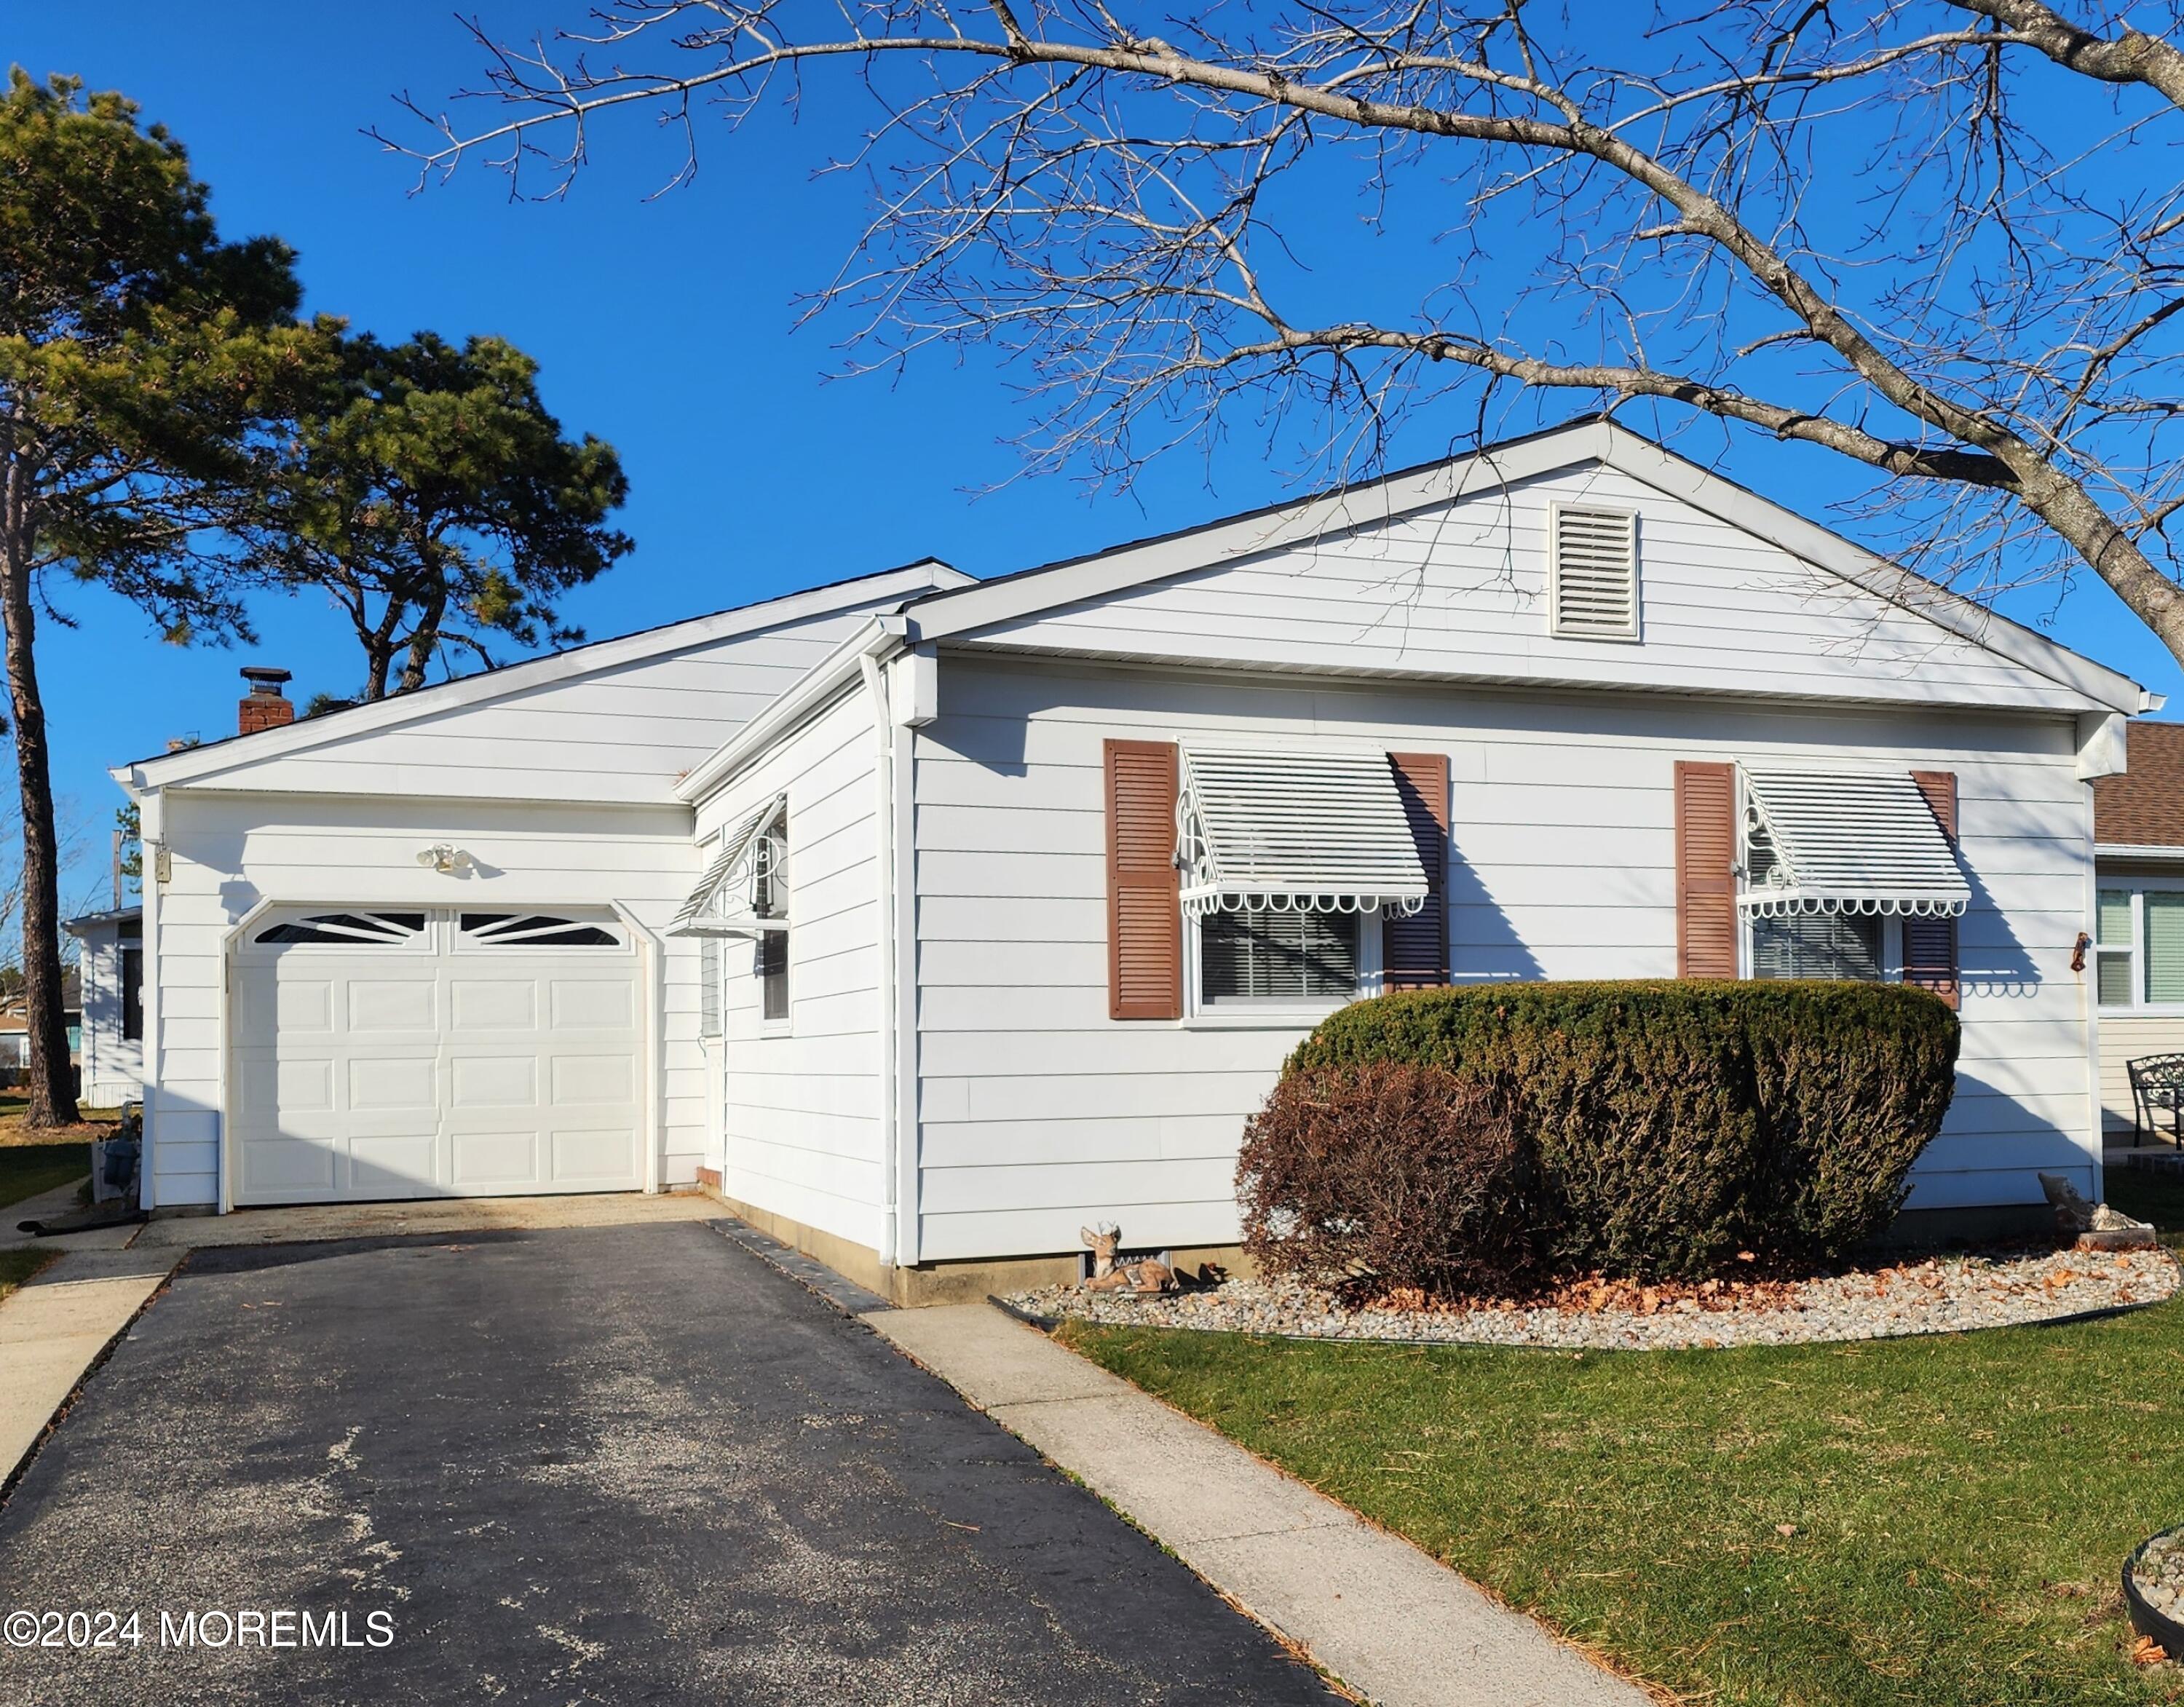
<point x="348" y="930"/>
<point x="535" y="931"/>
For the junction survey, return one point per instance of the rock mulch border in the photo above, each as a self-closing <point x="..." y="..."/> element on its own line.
<point x="1954" y="1293"/>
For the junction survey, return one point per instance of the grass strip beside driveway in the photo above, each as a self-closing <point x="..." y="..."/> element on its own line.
<point x="1940" y="1521"/>
<point x="17" y="1266"/>
<point x="27" y="1169"/>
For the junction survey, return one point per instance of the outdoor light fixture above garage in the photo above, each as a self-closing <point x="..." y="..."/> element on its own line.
<point x="442" y="857"/>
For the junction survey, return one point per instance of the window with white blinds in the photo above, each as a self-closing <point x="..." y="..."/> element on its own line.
<point x="1592" y="573"/>
<point x="2138" y="946"/>
<point x="2164" y="946"/>
<point x="1278" y="954"/>
<point x="1817" y="945"/>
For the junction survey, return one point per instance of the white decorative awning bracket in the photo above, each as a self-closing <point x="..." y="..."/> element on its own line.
<point x="721" y="905"/>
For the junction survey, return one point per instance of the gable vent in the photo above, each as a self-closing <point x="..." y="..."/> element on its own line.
<point x="1593" y="574"/>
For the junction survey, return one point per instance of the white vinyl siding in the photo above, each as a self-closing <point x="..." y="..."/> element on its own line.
<point x="1592" y="581"/>
<point x="800" y="1095"/>
<point x="1038" y="1112"/>
<point x="1461" y="590"/>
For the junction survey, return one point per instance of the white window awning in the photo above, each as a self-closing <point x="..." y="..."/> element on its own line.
<point x="1845" y="841"/>
<point x="721" y="905"/>
<point x="1317" y="831"/>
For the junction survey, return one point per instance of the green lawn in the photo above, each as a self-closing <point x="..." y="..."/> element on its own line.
<point x="1958" y="1509"/>
<point x="18" y="1266"/>
<point x="27" y="1169"/>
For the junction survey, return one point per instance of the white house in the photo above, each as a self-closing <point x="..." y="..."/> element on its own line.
<point x="110" y="970"/>
<point x="926" y="920"/>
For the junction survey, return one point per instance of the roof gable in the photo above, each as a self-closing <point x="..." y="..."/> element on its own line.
<point x="1995" y="659"/>
<point x="226" y="763"/>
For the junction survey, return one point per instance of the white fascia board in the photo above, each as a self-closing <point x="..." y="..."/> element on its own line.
<point x="196" y="764"/>
<point x="941" y="615"/>
<point x="2137" y="850"/>
<point x="960" y="612"/>
<point x="818" y="686"/>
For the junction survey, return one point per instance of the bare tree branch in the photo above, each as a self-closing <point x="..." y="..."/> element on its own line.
<point x="1924" y="235"/>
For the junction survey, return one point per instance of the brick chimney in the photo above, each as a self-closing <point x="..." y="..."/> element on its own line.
<point x="264" y="707"/>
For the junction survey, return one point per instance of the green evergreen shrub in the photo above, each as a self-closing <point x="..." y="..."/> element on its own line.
<point x="1662" y="1126"/>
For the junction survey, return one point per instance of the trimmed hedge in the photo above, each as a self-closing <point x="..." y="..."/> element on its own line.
<point x="1663" y="1126"/>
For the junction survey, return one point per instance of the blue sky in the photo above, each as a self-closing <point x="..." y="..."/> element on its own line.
<point x="663" y="326"/>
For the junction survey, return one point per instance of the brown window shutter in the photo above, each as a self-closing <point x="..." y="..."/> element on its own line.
<point x="1706" y="878"/>
<point x="1415" y="950"/>
<point x="1144" y="910"/>
<point x="1940" y="788"/>
<point x="1930" y="944"/>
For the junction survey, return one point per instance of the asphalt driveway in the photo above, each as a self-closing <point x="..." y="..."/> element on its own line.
<point x="627" y="1464"/>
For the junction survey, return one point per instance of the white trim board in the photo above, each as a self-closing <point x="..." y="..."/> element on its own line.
<point x="194" y="765"/>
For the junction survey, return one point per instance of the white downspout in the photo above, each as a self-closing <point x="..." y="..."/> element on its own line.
<point x="883" y="872"/>
<point x="150" y="834"/>
<point x="914" y="677"/>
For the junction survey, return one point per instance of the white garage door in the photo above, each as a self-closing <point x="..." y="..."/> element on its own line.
<point x="398" y="1054"/>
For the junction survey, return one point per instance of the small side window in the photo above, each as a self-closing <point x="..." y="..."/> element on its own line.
<point x="132" y="993"/>
<point x="770" y="902"/>
<point x="709" y="986"/>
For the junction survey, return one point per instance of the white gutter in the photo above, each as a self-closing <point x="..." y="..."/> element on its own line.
<point x="2130" y="850"/>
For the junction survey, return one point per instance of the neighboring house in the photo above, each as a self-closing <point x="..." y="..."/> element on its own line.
<point x="15" y="1026"/>
<point x="110" y="967"/>
<point x="927" y="921"/>
<point x="2138" y="915"/>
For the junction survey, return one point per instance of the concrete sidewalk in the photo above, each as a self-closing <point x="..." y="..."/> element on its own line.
<point x="1386" y="1619"/>
<point x="52" y="1205"/>
<point x="55" y="1328"/>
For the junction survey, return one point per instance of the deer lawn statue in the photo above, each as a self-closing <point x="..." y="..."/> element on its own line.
<point x="1148" y="1276"/>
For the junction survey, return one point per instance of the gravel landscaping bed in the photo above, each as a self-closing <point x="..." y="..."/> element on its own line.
<point x="1938" y="1294"/>
<point x="2159" y="1574"/>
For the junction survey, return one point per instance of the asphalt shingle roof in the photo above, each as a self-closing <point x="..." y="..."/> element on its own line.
<point x="2144" y="807"/>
